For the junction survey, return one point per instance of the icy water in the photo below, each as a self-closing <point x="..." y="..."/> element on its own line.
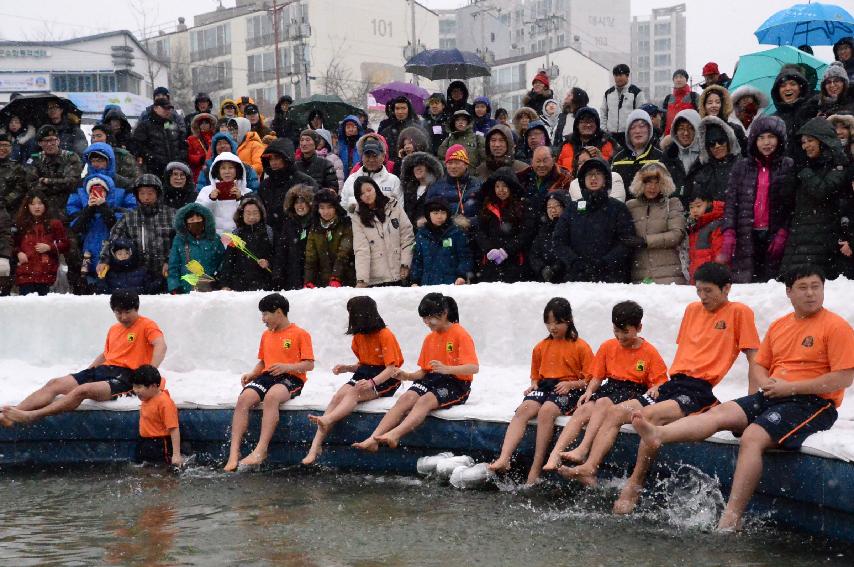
<point x="129" y="516"/>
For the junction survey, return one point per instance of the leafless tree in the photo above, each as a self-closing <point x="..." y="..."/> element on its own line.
<point x="145" y="14"/>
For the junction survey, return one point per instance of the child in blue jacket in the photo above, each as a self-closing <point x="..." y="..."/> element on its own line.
<point x="442" y="254"/>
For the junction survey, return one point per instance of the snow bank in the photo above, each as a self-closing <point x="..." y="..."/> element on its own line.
<point x="213" y="339"/>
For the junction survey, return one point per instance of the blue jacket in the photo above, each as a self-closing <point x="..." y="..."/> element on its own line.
<point x="125" y="274"/>
<point x="440" y="257"/>
<point x="107" y="150"/>
<point x="485" y="124"/>
<point x="207" y="250"/>
<point x="463" y="190"/>
<point x="252" y="181"/>
<point x="94" y="224"/>
<point x="348" y="153"/>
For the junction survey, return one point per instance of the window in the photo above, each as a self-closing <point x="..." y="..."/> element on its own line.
<point x="447" y="43"/>
<point x="212" y="77"/>
<point x="447" y="26"/>
<point x="161" y="49"/>
<point x="265" y="97"/>
<point x="643" y="45"/>
<point x="643" y="61"/>
<point x="86" y="82"/>
<point x="662" y="44"/>
<point x="510" y="78"/>
<point x="643" y="77"/>
<point x="261" y="67"/>
<point x="662" y="28"/>
<point x="259" y="30"/>
<point x="662" y="60"/>
<point x="643" y="29"/>
<point x="210" y="42"/>
<point x="662" y="75"/>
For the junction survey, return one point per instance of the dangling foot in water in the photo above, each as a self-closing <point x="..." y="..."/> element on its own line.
<point x="628" y="499"/>
<point x="582" y="474"/>
<point x="253" y="459"/>
<point x="577" y="455"/>
<point x="387" y="439"/>
<point x="499" y="466"/>
<point x="370" y="445"/>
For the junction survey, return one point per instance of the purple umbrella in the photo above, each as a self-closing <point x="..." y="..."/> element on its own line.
<point x="416" y="95"/>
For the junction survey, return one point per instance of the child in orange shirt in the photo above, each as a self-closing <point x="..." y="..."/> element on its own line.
<point x="447" y="363"/>
<point x="559" y="368"/>
<point x="284" y="356"/>
<point x="159" y="436"/>
<point x="131" y="342"/>
<point x="380" y="359"/>
<point x="631" y="368"/>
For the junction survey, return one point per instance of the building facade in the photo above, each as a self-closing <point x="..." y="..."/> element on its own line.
<point x="658" y="49"/>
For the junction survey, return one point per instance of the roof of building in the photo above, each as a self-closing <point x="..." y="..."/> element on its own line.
<point x="81" y="39"/>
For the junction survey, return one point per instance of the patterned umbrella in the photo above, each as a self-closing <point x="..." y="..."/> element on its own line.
<point x="806" y="24"/>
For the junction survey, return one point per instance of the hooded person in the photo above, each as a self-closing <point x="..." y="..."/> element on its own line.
<point x="280" y="174"/>
<point x="617" y="190"/>
<point x="195" y="239"/>
<point x="591" y="235"/>
<point x="844" y="125"/>
<point x="123" y="271"/>
<point x="227" y="188"/>
<point x="418" y="172"/>
<point x="401" y="115"/>
<point x="682" y="98"/>
<point x="329" y="259"/>
<point x="283" y="125"/>
<point x="540" y="92"/>
<point x="178" y="186"/>
<point x="238" y="271"/>
<point x="835" y="95"/>
<point x="483" y="120"/>
<point x="543" y="260"/>
<point x="100" y="158"/>
<point x="289" y="261"/>
<point x="324" y="150"/>
<point x="575" y="98"/>
<point x="499" y="151"/>
<point x="843" y="51"/>
<point x="814" y="198"/>
<point x="638" y="150"/>
<point x="223" y="142"/>
<point x="748" y="102"/>
<point x="202" y="104"/>
<point x="202" y="128"/>
<point x="536" y="135"/>
<point x="442" y="254"/>
<point x="308" y="161"/>
<point x="756" y="218"/>
<point x="435" y="121"/>
<point x="715" y="100"/>
<point x="550" y="116"/>
<point x="682" y="150"/>
<point x="791" y="94"/>
<point x="22" y="136"/>
<point x="458" y="98"/>
<point x="348" y="138"/>
<point x="374" y="153"/>
<point x="719" y="151"/>
<point x="228" y="109"/>
<point x="462" y="134"/>
<point x="249" y="144"/>
<point x="521" y="119"/>
<point x="257" y="123"/>
<point x="160" y="138"/>
<point x="458" y="189"/>
<point x="411" y="140"/>
<point x="587" y="132"/>
<point x="67" y="125"/>
<point x="127" y="169"/>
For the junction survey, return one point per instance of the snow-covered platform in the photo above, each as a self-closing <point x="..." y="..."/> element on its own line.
<point x="213" y="338"/>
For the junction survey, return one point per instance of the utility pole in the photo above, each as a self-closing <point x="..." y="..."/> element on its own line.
<point x="275" y="11"/>
<point x="413" y="41"/>
<point x="551" y="24"/>
<point x="483" y="8"/>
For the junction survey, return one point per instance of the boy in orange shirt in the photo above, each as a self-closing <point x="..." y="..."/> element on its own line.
<point x="131" y="343"/>
<point x="159" y="436"/>
<point x="802" y="369"/>
<point x="284" y="357"/>
<point x="631" y="368"/>
<point x="447" y="363"/>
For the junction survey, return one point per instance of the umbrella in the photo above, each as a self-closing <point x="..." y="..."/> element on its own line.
<point x="32" y="109"/>
<point x="437" y="64"/>
<point x="334" y="110"/>
<point x="806" y="24"/>
<point x="760" y="69"/>
<point x="390" y="91"/>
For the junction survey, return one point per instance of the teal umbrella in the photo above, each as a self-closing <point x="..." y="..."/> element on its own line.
<point x="760" y="69"/>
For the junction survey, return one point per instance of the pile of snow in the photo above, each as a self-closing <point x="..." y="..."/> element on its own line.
<point x="213" y="339"/>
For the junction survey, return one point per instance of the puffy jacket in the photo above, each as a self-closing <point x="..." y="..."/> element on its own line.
<point x="177" y="197"/>
<point x="395" y="127"/>
<point x="389" y="184"/>
<point x="61" y="173"/>
<point x="538" y="190"/>
<point x="705" y="238"/>
<point x="627" y="162"/>
<point x="794" y="114"/>
<point x="318" y="168"/>
<point x="252" y="179"/>
<point x="289" y="262"/>
<point x="474" y="145"/>
<point x="413" y="203"/>
<point x="483" y="124"/>
<point x="381" y="249"/>
<point x="238" y="271"/>
<point x="23" y="143"/>
<point x="462" y="194"/>
<point x="491" y="164"/>
<point x="618" y="105"/>
<point x="348" y="147"/>
<point x="536" y="101"/>
<point x="110" y="170"/>
<point x="207" y="250"/>
<point x="436" y="127"/>
<point x="506" y="225"/>
<point x="329" y="254"/>
<point x="277" y="183"/>
<point x="199" y="143"/>
<point x="543" y="254"/>
<point x="337" y="165"/>
<point x="250" y="148"/>
<point x="223" y="209"/>
<point x="680" y="159"/>
<point x="40" y="268"/>
<point x="572" y="145"/>
<point x="150" y="229"/>
<point x="441" y="255"/>
<point x="159" y="141"/>
<point x="123" y="138"/>
<point x="677" y="101"/>
<point x="126" y="275"/>
<point x="712" y="175"/>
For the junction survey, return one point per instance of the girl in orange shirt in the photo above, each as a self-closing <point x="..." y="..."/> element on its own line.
<point x="559" y="368"/>
<point x="374" y="376"/>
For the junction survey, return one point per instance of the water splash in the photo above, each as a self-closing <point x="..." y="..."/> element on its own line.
<point x="692" y="499"/>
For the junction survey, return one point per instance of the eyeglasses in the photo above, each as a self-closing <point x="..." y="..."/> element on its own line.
<point x="716" y="143"/>
<point x="53" y="107"/>
<point x="5" y="145"/>
<point x="50" y="140"/>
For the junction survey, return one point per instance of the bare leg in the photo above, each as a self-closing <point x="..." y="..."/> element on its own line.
<point x="275" y="397"/>
<point x="239" y="424"/>
<point x="545" y="431"/>
<point x="416" y="417"/>
<point x="98" y="391"/>
<point x="728" y="416"/>
<point x="390" y="420"/>
<point x="604" y="441"/>
<point x="748" y="471"/>
<point x="569" y="434"/>
<point x="600" y="411"/>
<point x="343" y="403"/>
<point x="515" y="432"/>
<point x="47" y="393"/>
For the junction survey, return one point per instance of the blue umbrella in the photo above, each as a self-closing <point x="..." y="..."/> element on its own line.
<point x="437" y="64"/>
<point x="806" y="24"/>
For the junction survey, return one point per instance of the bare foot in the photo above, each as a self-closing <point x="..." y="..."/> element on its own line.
<point x="729" y="523"/>
<point x="533" y="480"/>
<point x="647" y="431"/>
<point x="584" y="475"/>
<point x="577" y="455"/>
<point x="499" y="466"/>
<point x="370" y="445"/>
<point x="231" y="465"/>
<point x="18" y="416"/>
<point x="552" y="463"/>
<point x="5" y="421"/>
<point x="388" y="439"/>
<point x="628" y="500"/>
<point x="253" y="459"/>
<point x="319" y="421"/>
<point x="311" y="458"/>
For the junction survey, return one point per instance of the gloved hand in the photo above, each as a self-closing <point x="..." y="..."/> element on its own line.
<point x="333" y="282"/>
<point x="308" y="285"/>
<point x="492" y="255"/>
<point x="778" y="245"/>
<point x="727" y="248"/>
<point x="5" y="269"/>
<point x="497" y="255"/>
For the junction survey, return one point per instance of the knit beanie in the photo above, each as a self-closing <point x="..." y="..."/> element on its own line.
<point x="457" y="151"/>
<point x="543" y="78"/>
<point x="835" y="71"/>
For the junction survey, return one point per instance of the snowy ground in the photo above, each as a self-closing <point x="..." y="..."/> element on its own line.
<point x="213" y="339"/>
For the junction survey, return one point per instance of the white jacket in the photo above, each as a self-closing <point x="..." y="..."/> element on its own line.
<point x="383" y="248"/>
<point x="389" y="184"/>
<point x="614" y="113"/>
<point x="618" y="189"/>
<point x="223" y="211"/>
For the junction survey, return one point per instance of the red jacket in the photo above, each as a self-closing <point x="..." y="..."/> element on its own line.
<point x="40" y="268"/>
<point x="679" y="100"/>
<point x="197" y="152"/>
<point x="706" y="238"/>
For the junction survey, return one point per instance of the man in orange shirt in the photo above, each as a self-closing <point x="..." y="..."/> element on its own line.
<point x="802" y="369"/>
<point x="284" y="357"/>
<point x="131" y="343"/>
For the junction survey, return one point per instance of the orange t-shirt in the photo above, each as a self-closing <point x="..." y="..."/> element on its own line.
<point x="285" y="346"/>
<point x="642" y="365"/>
<point x="453" y="347"/>
<point x="157" y="416"/>
<point x="710" y="342"/>
<point x="377" y="349"/>
<point x="131" y="347"/>
<point x="802" y="349"/>
<point x="556" y="359"/>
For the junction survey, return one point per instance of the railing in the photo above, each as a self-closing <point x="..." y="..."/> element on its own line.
<point x="210" y="52"/>
<point x="260" y="40"/>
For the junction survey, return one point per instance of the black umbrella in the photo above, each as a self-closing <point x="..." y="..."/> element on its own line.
<point x="32" y="109"/>
<point x="333" y="108"/>
<point x="437" y="64"/>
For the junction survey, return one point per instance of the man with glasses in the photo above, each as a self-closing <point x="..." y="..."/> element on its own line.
<point x="67" y="126"/>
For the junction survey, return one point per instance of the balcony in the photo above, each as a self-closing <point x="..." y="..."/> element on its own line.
<point x="262" y="76"/>
<point x="210" y="52"/>
<point x="260" y="40"/>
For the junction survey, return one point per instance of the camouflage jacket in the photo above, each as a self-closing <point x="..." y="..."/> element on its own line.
<point x="15" y="181"/>
<point x="61" y="175"/>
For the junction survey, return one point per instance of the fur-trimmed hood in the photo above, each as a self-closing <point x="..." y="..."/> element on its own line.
<point x="734" y="146"/>
<point x="726" y="101"/>
<point x="361" y="143"/>
<point x="418" y="137"/>
<point x="665" y="181"/>
<point x="525" y="110"/>
<point x="198" y="118"/>
<point x="433" y="165"/>
<point x="305" y="192"/>
<point x="768" y="124"/>
<point x="846" y="119"/>
<point x="749" y="90"/>
<point x="249" y="199"/>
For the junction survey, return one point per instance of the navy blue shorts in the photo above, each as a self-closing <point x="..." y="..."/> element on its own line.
<point x="262" y="384"/>
<point x="118" y="377"/>
<point x="789" y="421"/>
<point x="155" y="450"/>
<point x="367" y="371"/>
<point x="618" y="391"/>
<point x="692" y="394"/>
<point x="545" y="392"/>
<point x="448" y="390"/>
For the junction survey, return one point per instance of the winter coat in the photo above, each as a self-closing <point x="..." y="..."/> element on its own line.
<point x="710" y="174"/>
<point x="504" y="225"/>
<point x="475" y="146"/>
<point x="483" y="124"/>
<point x="199" y="144"/>
<point x="126" y="275"/>
<point x="616" y="107"/>
<point x="814" y="193"/>
<point x="223" y="209"/>
<point x="329" y="254"/>
<point x="238" y="271"/>
<point x="150" y="229"/>
<point x="522" y="150"/>
<point x="250" y="148"/>
<point x="617" y="190"/>
<point x="677" y="101"/>
<point x="289" y="262"/>
<point x="177" y="197"/>
<point x="420" y="143"/>
<point x="462" y="195"/>
<point x="536" y="101"/>
<point x="277" y="183"/>
<point x="337" y="165"/>
<point x="319" y="169"/>
<point x="543" y="259"/>
<point x="207" y="249"/>
<point x="680" y="159"/>
<point x="748" y="91"/>
<point x="6" y="242"/>
<point x="590" y="235"/>
<point x="849" y="65"/>
<point x="71" y="137"/>
<point x="389" y="183"/>
<point x="252" y="179"/>
<point x="197" y="100"/>
<point x="15" y="181"/>
<point x="436" y="128"/>
<point x="741" y="198"/>
<point x="391" y="131"/>
<point x="413" y="203"/>
<point x="441" y="255"/>
<point x="796" y="114"/>
<point x="571" y="145"/>
<point x="93" y="224"/>
<point x="491" y="164"/>
<point x="550" y="121"/>
<point x="123" y="138"/>
<point x="705" y="238"/>
<point x="452" y="106"/>
<point x="348" y="148"/>
<point x="380" y="250"/>
<point x="661" y="225"/>
<point x="284" y="125"/>
<point x="61" y="173"/>
<point x="537" y="191"/>
<point x="40" y="268"/>
<point x="158" y="141"/>
<point x="627" y="162"/>
<point x="110" y="170"/>
<point x="23" y="143"/>
<point x="726" y="113"/>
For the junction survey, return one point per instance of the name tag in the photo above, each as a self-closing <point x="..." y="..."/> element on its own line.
<point x="582" y="205"/>
<point x="447" y="243"/>
<point x="437" y="130"/>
